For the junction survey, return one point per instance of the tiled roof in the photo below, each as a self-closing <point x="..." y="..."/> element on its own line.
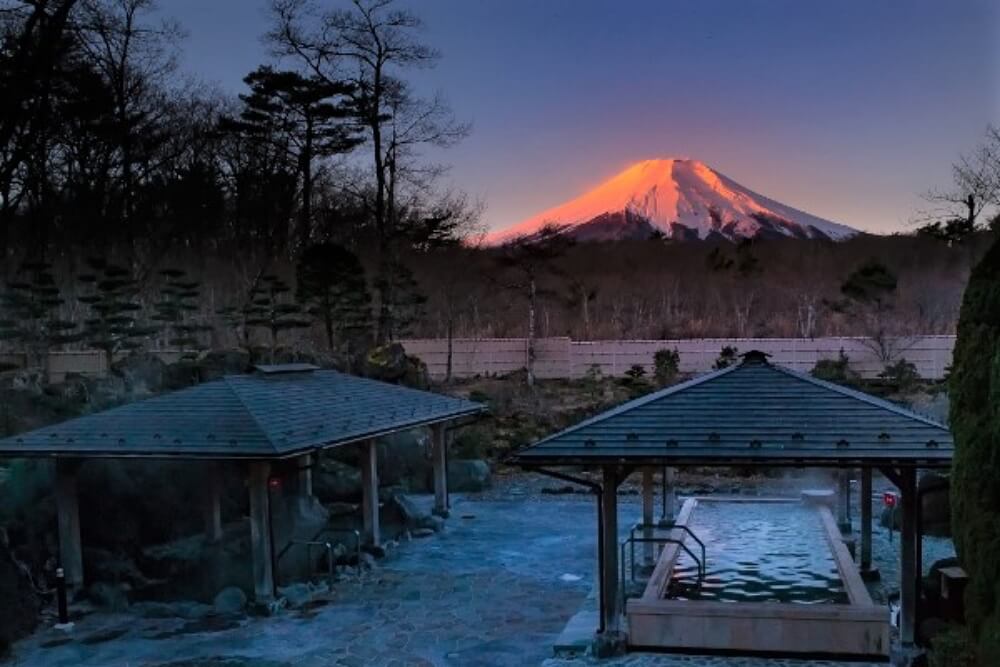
<point x="263" y="415"/>
<point x="755" y="413"/>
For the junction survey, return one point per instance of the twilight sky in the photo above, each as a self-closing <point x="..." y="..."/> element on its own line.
<point x="848" y="110"/>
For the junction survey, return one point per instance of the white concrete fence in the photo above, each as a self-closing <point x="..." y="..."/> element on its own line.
<point x="566" y="358"/>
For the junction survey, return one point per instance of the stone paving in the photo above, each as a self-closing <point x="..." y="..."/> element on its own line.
<point x="494" y="589"/>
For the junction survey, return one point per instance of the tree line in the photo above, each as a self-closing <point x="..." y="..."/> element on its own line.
<point x="108" y="150"/>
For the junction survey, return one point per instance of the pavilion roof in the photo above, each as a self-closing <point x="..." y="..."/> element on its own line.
<point x="274" y="413"/>
<point x="754" y="413"/>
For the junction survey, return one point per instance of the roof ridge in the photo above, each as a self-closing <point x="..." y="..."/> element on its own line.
<point x="643" y="400"/>
<point x="861" y="396"/>
<point x="253" y="416"/>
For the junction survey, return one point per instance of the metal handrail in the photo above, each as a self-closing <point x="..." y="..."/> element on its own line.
<point x="655" y="540"/>
<point x="671" y="525"/>
<point x="315" y="541"/>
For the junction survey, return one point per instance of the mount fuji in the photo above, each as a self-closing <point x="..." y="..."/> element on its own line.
<point x="680" y="199"/>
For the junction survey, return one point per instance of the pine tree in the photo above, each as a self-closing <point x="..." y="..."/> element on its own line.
<point x="29" y="313"/>
<point x="974" y="390"/>
<point x="114" y="325"/>
<point x="271" y="310"/>
<point x="178" y="302"/>
<point x="403" y="302"/>
<point x="330" y="282"/>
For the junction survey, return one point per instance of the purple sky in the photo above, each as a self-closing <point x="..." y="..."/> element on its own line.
<point x="848" y="110"/>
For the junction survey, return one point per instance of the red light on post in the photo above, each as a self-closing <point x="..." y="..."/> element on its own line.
<point x="274" y="483"/>
<point x="889" y="498"/>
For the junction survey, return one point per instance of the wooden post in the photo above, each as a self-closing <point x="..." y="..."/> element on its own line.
<point x="212" y="503"/>
<point x="68" y="509"/>
<point x="369" y="491"/>
<point x="609" y="549"/>
<point x="260" y="531"/>
<point x="669" y="500"/>
<point x="439" y="454"/>
<point x="844" y="501"/>
<point x="647" y="515"/>
<point x="866" y="520"/>
<point x="304" y="479"/>
<point x="909" y="577"/>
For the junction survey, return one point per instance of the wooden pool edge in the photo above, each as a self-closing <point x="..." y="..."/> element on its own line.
<point x="857" y="629"/>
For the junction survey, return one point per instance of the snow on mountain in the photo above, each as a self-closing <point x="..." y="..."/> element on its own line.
<point x="683" y="199"/>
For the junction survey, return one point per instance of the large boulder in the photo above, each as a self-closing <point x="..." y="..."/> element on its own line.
<point x="230" y="600"/>
<point x="935" y="508"/>
<point x="469" y="476"/>
<point x="143" y="373"/>
<point x="334" y="481"/>
<point x="404" y="460"/>
<point x="109" y="596"/>
<point x="386" y="363"/>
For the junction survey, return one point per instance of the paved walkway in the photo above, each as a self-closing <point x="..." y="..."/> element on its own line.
<point x="494" y="589"/>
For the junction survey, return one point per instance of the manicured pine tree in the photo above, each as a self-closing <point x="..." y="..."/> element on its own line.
<point x="330" y="283"/>
<point x="271" y="310"/>
<point x="175" y="309"/>
<point x="115" y="324"/>
<point x="974" y="390"/>
<point x="29" y="313"/>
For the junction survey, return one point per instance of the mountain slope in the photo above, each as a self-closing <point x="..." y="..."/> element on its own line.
<point x="683" y="199"/>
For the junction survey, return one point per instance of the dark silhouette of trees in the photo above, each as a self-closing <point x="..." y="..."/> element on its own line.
<point x="306" y="118"/>
<point x="330" y="282"/>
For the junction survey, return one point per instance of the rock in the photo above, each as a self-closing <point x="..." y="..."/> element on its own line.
<point x="416" y="516"/>
<point x="231" y="600"/>
<point x="367" y="561"/>
<point x="386" y="363"/>
<point x="112" y="597"/>
<point x="301" y="594"/>
<point x="935" y="505"/>
<point x="335" y="481"/>
<point x="218" y="363"/>
<point x="404" y="461"/>
<point x="421" y="532"/>
<point x="143" y="373"/>
<point x="417" y="375"/>
<point x="472" y="475"/>
<point x="103" y="565"/>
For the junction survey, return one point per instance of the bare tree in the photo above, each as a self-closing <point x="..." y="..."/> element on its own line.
<point x="370" y="45"/>
<point x="527" y="260"/>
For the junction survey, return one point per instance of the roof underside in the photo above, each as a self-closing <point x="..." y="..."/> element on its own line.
<point x="245" y="416"/>
<point x="756" y="414"/>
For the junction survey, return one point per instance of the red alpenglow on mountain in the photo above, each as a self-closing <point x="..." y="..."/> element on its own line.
<point x="682" y="199"/>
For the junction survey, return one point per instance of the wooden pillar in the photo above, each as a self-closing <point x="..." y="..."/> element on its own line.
<point x="844" y="501"/>
<point x="439" y="454"/>
<point x="648" y="492"/>
<point x="304" y="478"/>
<point x="609" y="550"/>
<point x="260" y="531"/>
<point x="369" y="491"/>
<point x="212" y="503"/>
<point x="866" y="520"/>
<point x="909" y="577"/>
<point x="68" y="509"/>
<point x="669" y="500"/>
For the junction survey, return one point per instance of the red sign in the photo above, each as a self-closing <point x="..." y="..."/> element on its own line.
<point x="889" y="498"/>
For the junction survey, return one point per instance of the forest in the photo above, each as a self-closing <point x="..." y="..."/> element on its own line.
<point x="142" y="208"/>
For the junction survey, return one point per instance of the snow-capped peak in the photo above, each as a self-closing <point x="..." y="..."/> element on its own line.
<point x="680" y="198"/>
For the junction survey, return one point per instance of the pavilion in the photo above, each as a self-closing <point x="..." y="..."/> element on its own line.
<point x="752" y="414"/>
<point x="278" y="414"/>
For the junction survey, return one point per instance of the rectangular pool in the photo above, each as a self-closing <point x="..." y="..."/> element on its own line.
<point x="779" y="579"/>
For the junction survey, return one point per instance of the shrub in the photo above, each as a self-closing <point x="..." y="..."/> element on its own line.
<point x="727" y="357"/>
<point x="902" y="375"/>
<point x="836" y="370"/>
<point x="974" y="390"/>
<point x="479" y="396"/>
<point x="952" y="648"/>
<point x="474" y="442"/>
<point x="635" y="372"/>
<point x="665" y="365"/>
